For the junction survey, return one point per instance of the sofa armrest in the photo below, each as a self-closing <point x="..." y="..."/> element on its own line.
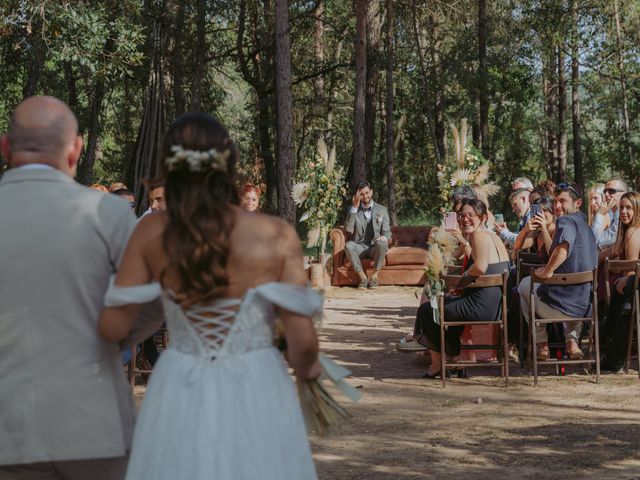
<point x="339" y="240"/>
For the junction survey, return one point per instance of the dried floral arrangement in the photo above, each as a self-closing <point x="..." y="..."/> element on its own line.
<point x="468" y="167"/>
<point x="320" y="188"/>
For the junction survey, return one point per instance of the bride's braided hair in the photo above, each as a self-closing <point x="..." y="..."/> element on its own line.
<point x="197" y="236"/>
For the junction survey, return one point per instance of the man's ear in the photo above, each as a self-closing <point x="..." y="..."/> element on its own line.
<point x="579" y="203"/>
<point x="5" y="148"/>
<point x="74" y="155"/>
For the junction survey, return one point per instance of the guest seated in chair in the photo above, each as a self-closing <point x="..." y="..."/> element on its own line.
<point x="488" y="255"/>
<point x="573" y="250"/>
<point x="537" y="234"/>
<point x="368" y="222"/>
<point x="615" y="333"/>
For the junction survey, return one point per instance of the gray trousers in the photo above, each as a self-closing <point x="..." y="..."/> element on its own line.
<point x="90" y="469"/>
<point x="356" y="251"/>
<point x="572" y="330"/>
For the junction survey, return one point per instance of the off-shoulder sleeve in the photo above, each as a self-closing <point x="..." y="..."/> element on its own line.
<point x="301" y="300"/>
<point x="118" y="296"/>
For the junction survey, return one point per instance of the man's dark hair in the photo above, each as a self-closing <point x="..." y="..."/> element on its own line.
<point x="363" y="184"/>
<point x="574" y="190"/>
<point x="153" y="184"/>
<point x="122" y="192"/>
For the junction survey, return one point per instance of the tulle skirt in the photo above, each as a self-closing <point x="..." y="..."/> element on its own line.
<point x="233" y="418"/>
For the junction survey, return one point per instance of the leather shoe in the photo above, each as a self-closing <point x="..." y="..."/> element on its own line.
<point x="611" y="365"/>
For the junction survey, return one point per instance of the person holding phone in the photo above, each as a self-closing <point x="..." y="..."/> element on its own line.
<point x="520" y="204"/>
<point x="368" y="222"/>
<point x="537" y="234"/>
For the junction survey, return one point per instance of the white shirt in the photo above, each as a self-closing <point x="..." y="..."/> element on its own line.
<point x="367" y="213"/>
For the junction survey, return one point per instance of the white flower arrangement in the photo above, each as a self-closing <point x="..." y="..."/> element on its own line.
<point x="197" y="160"/>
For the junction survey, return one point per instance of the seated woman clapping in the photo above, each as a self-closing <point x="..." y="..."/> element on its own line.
<point x="627" y="247"/>
<point x="537" y="234"/>
<point x="488" y="256"/>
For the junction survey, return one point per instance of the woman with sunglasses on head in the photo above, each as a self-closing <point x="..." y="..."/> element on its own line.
<point x="488" y="255"/>
<point x="615" y="332"/>
<point x="537" y="234"/>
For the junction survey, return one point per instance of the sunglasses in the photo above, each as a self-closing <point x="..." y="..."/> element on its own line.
<point x="561" y="187"/>
<point x="132" y="204"/>
<point x="612" y="191"/>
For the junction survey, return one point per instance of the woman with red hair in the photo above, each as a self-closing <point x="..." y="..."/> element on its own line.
<point x="250" y="197"/>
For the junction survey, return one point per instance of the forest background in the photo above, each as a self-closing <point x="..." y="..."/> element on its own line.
<point x="549" y="87"/>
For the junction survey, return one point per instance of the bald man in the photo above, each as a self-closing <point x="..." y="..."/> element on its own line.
<point x="66" y="410"/>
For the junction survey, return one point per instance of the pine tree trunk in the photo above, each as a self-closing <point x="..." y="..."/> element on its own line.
<point x="562" y="109"/>
<point x="425" y="81"/>
<point x="438" y="74"/>
<point x="358" y="160"/>
<point x="483" y="78"/>
<point x="550" y="86"/>
<point x="284" y="112"/>
<point x="200" y="64"/>
<point x="575" y="99"/>
<point x="623" y="82"/>
<point x="391" y="187"/>
<point x="374" y="34"/>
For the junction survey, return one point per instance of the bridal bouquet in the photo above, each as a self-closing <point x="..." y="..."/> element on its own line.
<point x="322" y="413"/>
<point x="440" y="256"/>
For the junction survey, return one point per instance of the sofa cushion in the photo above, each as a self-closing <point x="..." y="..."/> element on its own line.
<point x="409" y="236"/>
<point x="406" y="256"/>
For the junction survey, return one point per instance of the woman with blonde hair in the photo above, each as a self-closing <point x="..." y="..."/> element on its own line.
<point x="627" y="247"/>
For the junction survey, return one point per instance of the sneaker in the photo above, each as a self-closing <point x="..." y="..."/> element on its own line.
<point x="514" y="355"/>
<point x="373" y="283"/>
<point x="364" y="283"/>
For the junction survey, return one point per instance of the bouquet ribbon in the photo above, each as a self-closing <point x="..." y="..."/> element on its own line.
<point x="336" y="374"/>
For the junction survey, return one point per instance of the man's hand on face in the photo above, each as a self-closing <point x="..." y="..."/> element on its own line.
<point x="356" y="199"/>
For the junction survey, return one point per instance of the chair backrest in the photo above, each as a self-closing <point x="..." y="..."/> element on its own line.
<point x="568" y="278"/>
<point x="618" y="266"/>
<point x="483" y="281"/>
<point x="410" y="236"/>
<point x="527" y="262"/>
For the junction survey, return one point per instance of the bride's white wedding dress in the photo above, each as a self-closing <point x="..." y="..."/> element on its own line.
<point x="220" y="403"/>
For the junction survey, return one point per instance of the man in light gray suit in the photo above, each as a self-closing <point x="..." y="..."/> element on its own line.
<point x="368" y="222"/>
<point x="66" y="410"/>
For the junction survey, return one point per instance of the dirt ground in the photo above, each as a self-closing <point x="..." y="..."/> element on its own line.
<point x="406" y="427"/>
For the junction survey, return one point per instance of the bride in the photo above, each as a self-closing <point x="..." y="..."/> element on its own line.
<point x="220" y="403"/>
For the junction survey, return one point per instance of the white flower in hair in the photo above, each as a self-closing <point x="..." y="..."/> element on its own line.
<point x="197" y="160"/>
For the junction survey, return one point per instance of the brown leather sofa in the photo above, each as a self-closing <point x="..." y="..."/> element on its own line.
<point x="404" y="263"/>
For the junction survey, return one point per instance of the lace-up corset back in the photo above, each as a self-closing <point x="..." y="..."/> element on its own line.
<point x="225" y="326"/>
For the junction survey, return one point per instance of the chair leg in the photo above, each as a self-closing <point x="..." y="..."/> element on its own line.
<point x="132" y="366"/>
<point x="505" y="354"/>
<point x="443" y="355"/>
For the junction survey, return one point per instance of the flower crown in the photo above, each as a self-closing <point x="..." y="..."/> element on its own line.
<point x="197" y="160"/>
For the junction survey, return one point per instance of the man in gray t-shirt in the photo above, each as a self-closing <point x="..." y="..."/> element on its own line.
<point x="573" y="250"/>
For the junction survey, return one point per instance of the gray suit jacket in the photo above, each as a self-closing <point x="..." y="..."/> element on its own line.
<point x="357" y="223"/>
<point x="63" y="392"/>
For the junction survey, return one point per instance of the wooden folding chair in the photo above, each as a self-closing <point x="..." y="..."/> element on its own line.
<point x="497" y="280"/>
<point x="622" y="266"/>
<point x="566" y="279"/>
<point x="525" y="263"/>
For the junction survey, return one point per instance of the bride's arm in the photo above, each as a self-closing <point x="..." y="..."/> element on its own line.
<point x="302" y="340"/>
<point x="115" y="323"/>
